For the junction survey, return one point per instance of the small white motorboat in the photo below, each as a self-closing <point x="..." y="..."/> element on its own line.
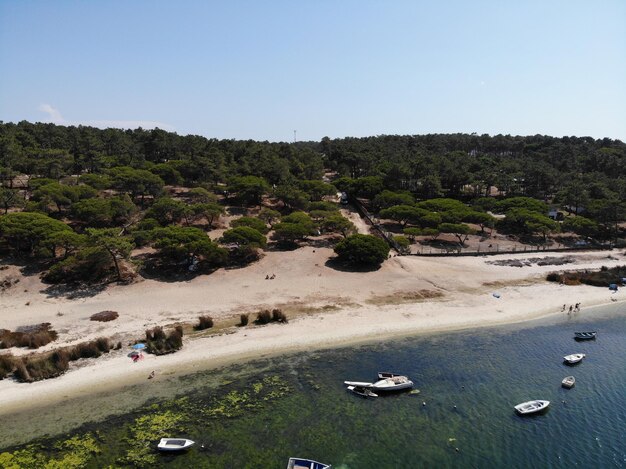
<point x="531" y="407"/>
<point x="574" y="358"/>
<point x="568" y="382"/>
<point x="301" y="463"/>
<point x="175" y="444"/>
<point x="394" y="383"/>
<point x="361" y="391"/>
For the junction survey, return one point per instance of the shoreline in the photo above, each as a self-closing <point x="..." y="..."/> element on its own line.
<point x="48" y="417"/>
<point x="467" y="303"/>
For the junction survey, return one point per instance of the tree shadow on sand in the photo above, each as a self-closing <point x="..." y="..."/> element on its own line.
<point x="335" y="264"/>
<point x="73" y="291"/>
<point x="172" y="273"/>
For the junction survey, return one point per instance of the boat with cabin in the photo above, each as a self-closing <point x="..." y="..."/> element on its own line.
<point x="574" y="358"/>
<point x="175" y="444"/>
<point x="301" y="463"/>
<point x="393" y="383"/>
<point x="531" y="407"/>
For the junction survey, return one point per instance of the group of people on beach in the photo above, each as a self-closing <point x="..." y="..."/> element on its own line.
<point x="267" y="277"/>
<point x="572" y="308"/>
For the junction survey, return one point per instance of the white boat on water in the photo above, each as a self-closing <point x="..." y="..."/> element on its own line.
<point x="574" y="358"/>
<point x="568" y="382"/>
<point x="175" y="444"/>
<point x="301" y="463"/>
<point x="361" y="391"/>
<point x="393" y="383"/>
<point x="531" y="407"/>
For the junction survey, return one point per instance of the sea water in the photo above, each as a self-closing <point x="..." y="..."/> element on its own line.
<point x="260" y="414"/>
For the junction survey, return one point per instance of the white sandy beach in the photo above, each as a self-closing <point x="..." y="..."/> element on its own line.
<point x="326" y="308"/>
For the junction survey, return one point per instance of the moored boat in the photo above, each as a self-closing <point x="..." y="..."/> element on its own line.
<point x="361" y="391"/>
<point x="175" y="444"/>
<point x="394" y="383"/>
<point x="589" y="335"/>
<point x="574" y="358"/>
<point x="531" y="407"/>
<point x="568" y="382"/>
<point x="301" y="463"/>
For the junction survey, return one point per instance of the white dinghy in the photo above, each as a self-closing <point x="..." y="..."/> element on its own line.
<point x="574" y="358"/>
<point x="175" y="444"/>
<point x="531" y="407"/>
<point x="568" y="382"/>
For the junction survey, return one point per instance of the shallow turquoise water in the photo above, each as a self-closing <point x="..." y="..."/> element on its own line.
<point x="481" y="372"/>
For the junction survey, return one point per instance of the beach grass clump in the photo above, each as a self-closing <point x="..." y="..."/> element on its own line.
<point x="243" y="319"/>
<point x="266" y="316"/>
<point x="104" y="316"/>
<point x="51" y="365"/>
<point x="30" y="369"/>
<point x="7" y="364"/>
<point x="263" y="317"/>
<point x="279" y="316"/>
<point x="31" y="337"/>
<point x="204" y="322"/>
<point x="599" y="278"/>
<point x="160" y="343"/>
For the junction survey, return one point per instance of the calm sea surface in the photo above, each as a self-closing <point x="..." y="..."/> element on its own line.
<point x="259" y="414"/>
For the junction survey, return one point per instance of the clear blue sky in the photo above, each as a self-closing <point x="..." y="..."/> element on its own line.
<point x="262" y="69"/>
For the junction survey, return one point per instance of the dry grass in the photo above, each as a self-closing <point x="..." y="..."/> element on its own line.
<point x="405" y="297"/>
<point x="160" y="343"/>
<point x="204" y="322"/>
<point x="51" y="365"/>
<point x="31" y="336"/>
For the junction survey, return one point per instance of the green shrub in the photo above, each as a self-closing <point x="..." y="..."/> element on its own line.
<point x="243" y="319"/>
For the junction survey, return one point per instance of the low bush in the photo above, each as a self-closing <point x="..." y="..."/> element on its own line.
<point x="600" y="278"/>
<point x="205" y="322"/>
<point x="104" y="316"/>
<point x="31" y="336"/>
<point x="160" y="343"/>
<point x="51" y="365"/>
<point x="278" y="316"/>
<point x="7" y="364"/>
<point x="155" y="334"/>
<point x="263" y="317"/>
<point x="266" y="316"/>
<point x="243" y="319"/>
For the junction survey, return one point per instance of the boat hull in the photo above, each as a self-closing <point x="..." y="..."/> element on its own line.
<point x="301" y="463"/>
<point x="568" y="382"/>
<point x="531" y="407"/>
<point x="585" y="335"/>
<point x="574" y="358"/>
<point x="174" y="444"/>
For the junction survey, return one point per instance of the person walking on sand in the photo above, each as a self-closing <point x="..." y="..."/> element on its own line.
<point x="564" y="306"/>
<point x="570" y="309"/>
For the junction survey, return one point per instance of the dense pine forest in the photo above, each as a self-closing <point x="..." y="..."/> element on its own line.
<point x="90" y="204"/>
